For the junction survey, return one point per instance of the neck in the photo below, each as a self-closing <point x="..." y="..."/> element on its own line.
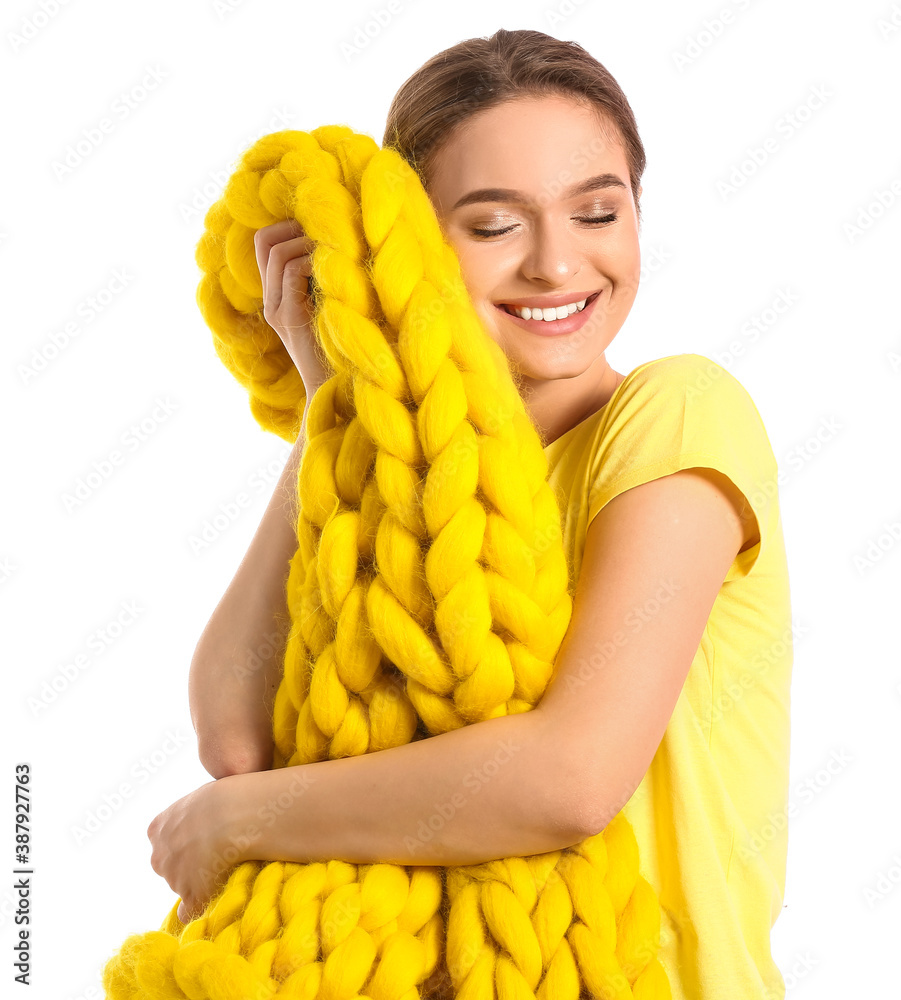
<point x="557" y="405"/>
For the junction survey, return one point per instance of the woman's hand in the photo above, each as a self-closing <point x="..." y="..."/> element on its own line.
<point x="283" y="257"/>
<point x="194" y="845"/>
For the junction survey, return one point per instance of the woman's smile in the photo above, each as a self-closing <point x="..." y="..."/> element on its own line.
<point x="570" y="315"/>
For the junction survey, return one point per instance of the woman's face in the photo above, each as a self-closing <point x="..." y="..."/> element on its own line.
<point x="538" y="206"/>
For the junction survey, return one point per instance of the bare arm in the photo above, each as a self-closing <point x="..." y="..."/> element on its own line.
<point x="237" y="663"/>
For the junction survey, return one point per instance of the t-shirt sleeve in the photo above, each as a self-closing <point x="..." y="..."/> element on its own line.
<point x="683" y="412"/>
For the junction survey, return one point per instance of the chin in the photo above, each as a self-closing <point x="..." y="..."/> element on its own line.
<point x="549" y="369"/>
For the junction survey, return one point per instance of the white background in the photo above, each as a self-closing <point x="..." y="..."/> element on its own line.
<point x="825" y="376"/>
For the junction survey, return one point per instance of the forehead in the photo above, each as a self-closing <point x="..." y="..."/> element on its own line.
<point x="531" y="144"/>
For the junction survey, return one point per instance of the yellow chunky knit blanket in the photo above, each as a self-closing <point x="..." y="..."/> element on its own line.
<point x="429" y="591"/>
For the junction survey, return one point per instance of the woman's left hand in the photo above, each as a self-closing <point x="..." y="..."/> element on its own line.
<point x="193" y="845"/>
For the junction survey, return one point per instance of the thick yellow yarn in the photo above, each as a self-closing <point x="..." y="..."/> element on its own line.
<point x="429" y="591"/>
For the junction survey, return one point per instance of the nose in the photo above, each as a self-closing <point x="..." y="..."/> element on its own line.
<point x="552" y="255"/>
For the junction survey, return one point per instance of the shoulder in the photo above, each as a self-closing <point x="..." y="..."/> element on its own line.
<point x="680" y="413"/>
<point x="687" y="400"/>
<point x="690" y="376"/>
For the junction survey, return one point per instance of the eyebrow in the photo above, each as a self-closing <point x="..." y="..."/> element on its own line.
<point x="506" y="194"/>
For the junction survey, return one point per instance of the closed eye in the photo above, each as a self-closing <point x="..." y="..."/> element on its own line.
<point x="591" y="220"/>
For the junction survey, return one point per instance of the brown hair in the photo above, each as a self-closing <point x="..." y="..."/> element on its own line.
<point x="479" y="73"/>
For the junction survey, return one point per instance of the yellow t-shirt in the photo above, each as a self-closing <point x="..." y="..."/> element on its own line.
<point x="711" y="813"/>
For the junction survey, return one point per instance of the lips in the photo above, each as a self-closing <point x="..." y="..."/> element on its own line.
<point x="548" y="302"/>
<point x="555" y="327"/>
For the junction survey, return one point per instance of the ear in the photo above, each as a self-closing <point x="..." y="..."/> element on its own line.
<point x="640" y="189"/>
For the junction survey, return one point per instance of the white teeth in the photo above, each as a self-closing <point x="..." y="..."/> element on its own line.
<point x="560" y="312"/>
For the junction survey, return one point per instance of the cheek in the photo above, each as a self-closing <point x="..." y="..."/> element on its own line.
<point x="625" y="249"/>
<point x="479" y="273"/>
<point x="624" y="262"/>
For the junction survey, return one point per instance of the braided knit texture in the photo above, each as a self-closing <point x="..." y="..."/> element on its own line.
<point x="429" y="590"/>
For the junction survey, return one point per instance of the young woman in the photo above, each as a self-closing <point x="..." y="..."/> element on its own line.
<point x="670" y="699"/>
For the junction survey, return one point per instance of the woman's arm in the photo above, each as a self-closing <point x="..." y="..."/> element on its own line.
<point x="654" y="561"/>
<point x="237" y="663"/>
